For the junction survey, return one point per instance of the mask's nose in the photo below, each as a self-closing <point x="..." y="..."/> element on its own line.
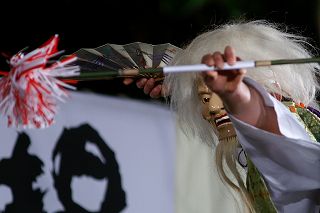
<point x="215" y="106"/>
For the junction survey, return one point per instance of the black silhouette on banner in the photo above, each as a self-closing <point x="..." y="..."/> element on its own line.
<point x="19" y="173"/>
<point x="21" y="170"/>
<point x="76" y="161"/>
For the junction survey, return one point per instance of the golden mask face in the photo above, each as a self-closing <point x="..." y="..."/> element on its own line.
<point x="214" y="112"/>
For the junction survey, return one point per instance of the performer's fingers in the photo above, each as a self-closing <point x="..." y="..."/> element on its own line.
<point x="210" y="75"/>
<point x="141" y="82"/>
<point x="208" y="60"/>
<point x="156" y="92"/>
<point x="229" y="54"/>
<point x="218" y="60"/>
<point x="149" y="86"/>
<point x="242" y="72"/>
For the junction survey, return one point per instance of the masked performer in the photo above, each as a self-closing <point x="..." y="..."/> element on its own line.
<point x="272" y="110"/>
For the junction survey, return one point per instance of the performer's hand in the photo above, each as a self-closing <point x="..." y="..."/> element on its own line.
<point x="239" y="99"/>
<point x="149" y="86"/>
<point x="226" y="83"/>
<point x="223" y="82"/>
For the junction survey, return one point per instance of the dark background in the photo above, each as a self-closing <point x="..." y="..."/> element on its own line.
<point x="91" y="23"/>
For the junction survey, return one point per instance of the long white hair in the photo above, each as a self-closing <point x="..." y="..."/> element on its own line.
<point x="254" y="40"/>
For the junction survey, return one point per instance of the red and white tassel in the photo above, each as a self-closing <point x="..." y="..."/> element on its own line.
<point x="30" y="91"/>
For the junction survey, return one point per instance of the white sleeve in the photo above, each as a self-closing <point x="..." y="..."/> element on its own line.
<point x="289" y="163"/>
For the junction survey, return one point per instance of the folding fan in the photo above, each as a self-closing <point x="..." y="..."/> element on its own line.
<point x="134" y="59"/>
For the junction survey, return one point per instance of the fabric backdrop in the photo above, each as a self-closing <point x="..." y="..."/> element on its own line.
<point x="103" y="154"/>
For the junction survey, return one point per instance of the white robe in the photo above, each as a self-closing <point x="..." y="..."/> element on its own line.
<point x="289" y="164"/>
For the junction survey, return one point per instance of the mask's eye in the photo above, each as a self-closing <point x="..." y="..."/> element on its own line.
<point x="205" y="100"/>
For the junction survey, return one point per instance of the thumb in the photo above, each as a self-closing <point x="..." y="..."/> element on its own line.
<point x="233" y="85"/>
<point x="127" y="81"/>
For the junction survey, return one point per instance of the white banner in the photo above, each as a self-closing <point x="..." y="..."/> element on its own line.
<point x="103" y="154"/>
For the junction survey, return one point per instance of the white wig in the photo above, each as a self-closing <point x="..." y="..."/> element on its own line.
<point x="255" y="40"/>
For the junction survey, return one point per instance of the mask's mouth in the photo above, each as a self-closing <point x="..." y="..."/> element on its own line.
<point x="223" y="125"/>
<point x="221" y="120"/>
